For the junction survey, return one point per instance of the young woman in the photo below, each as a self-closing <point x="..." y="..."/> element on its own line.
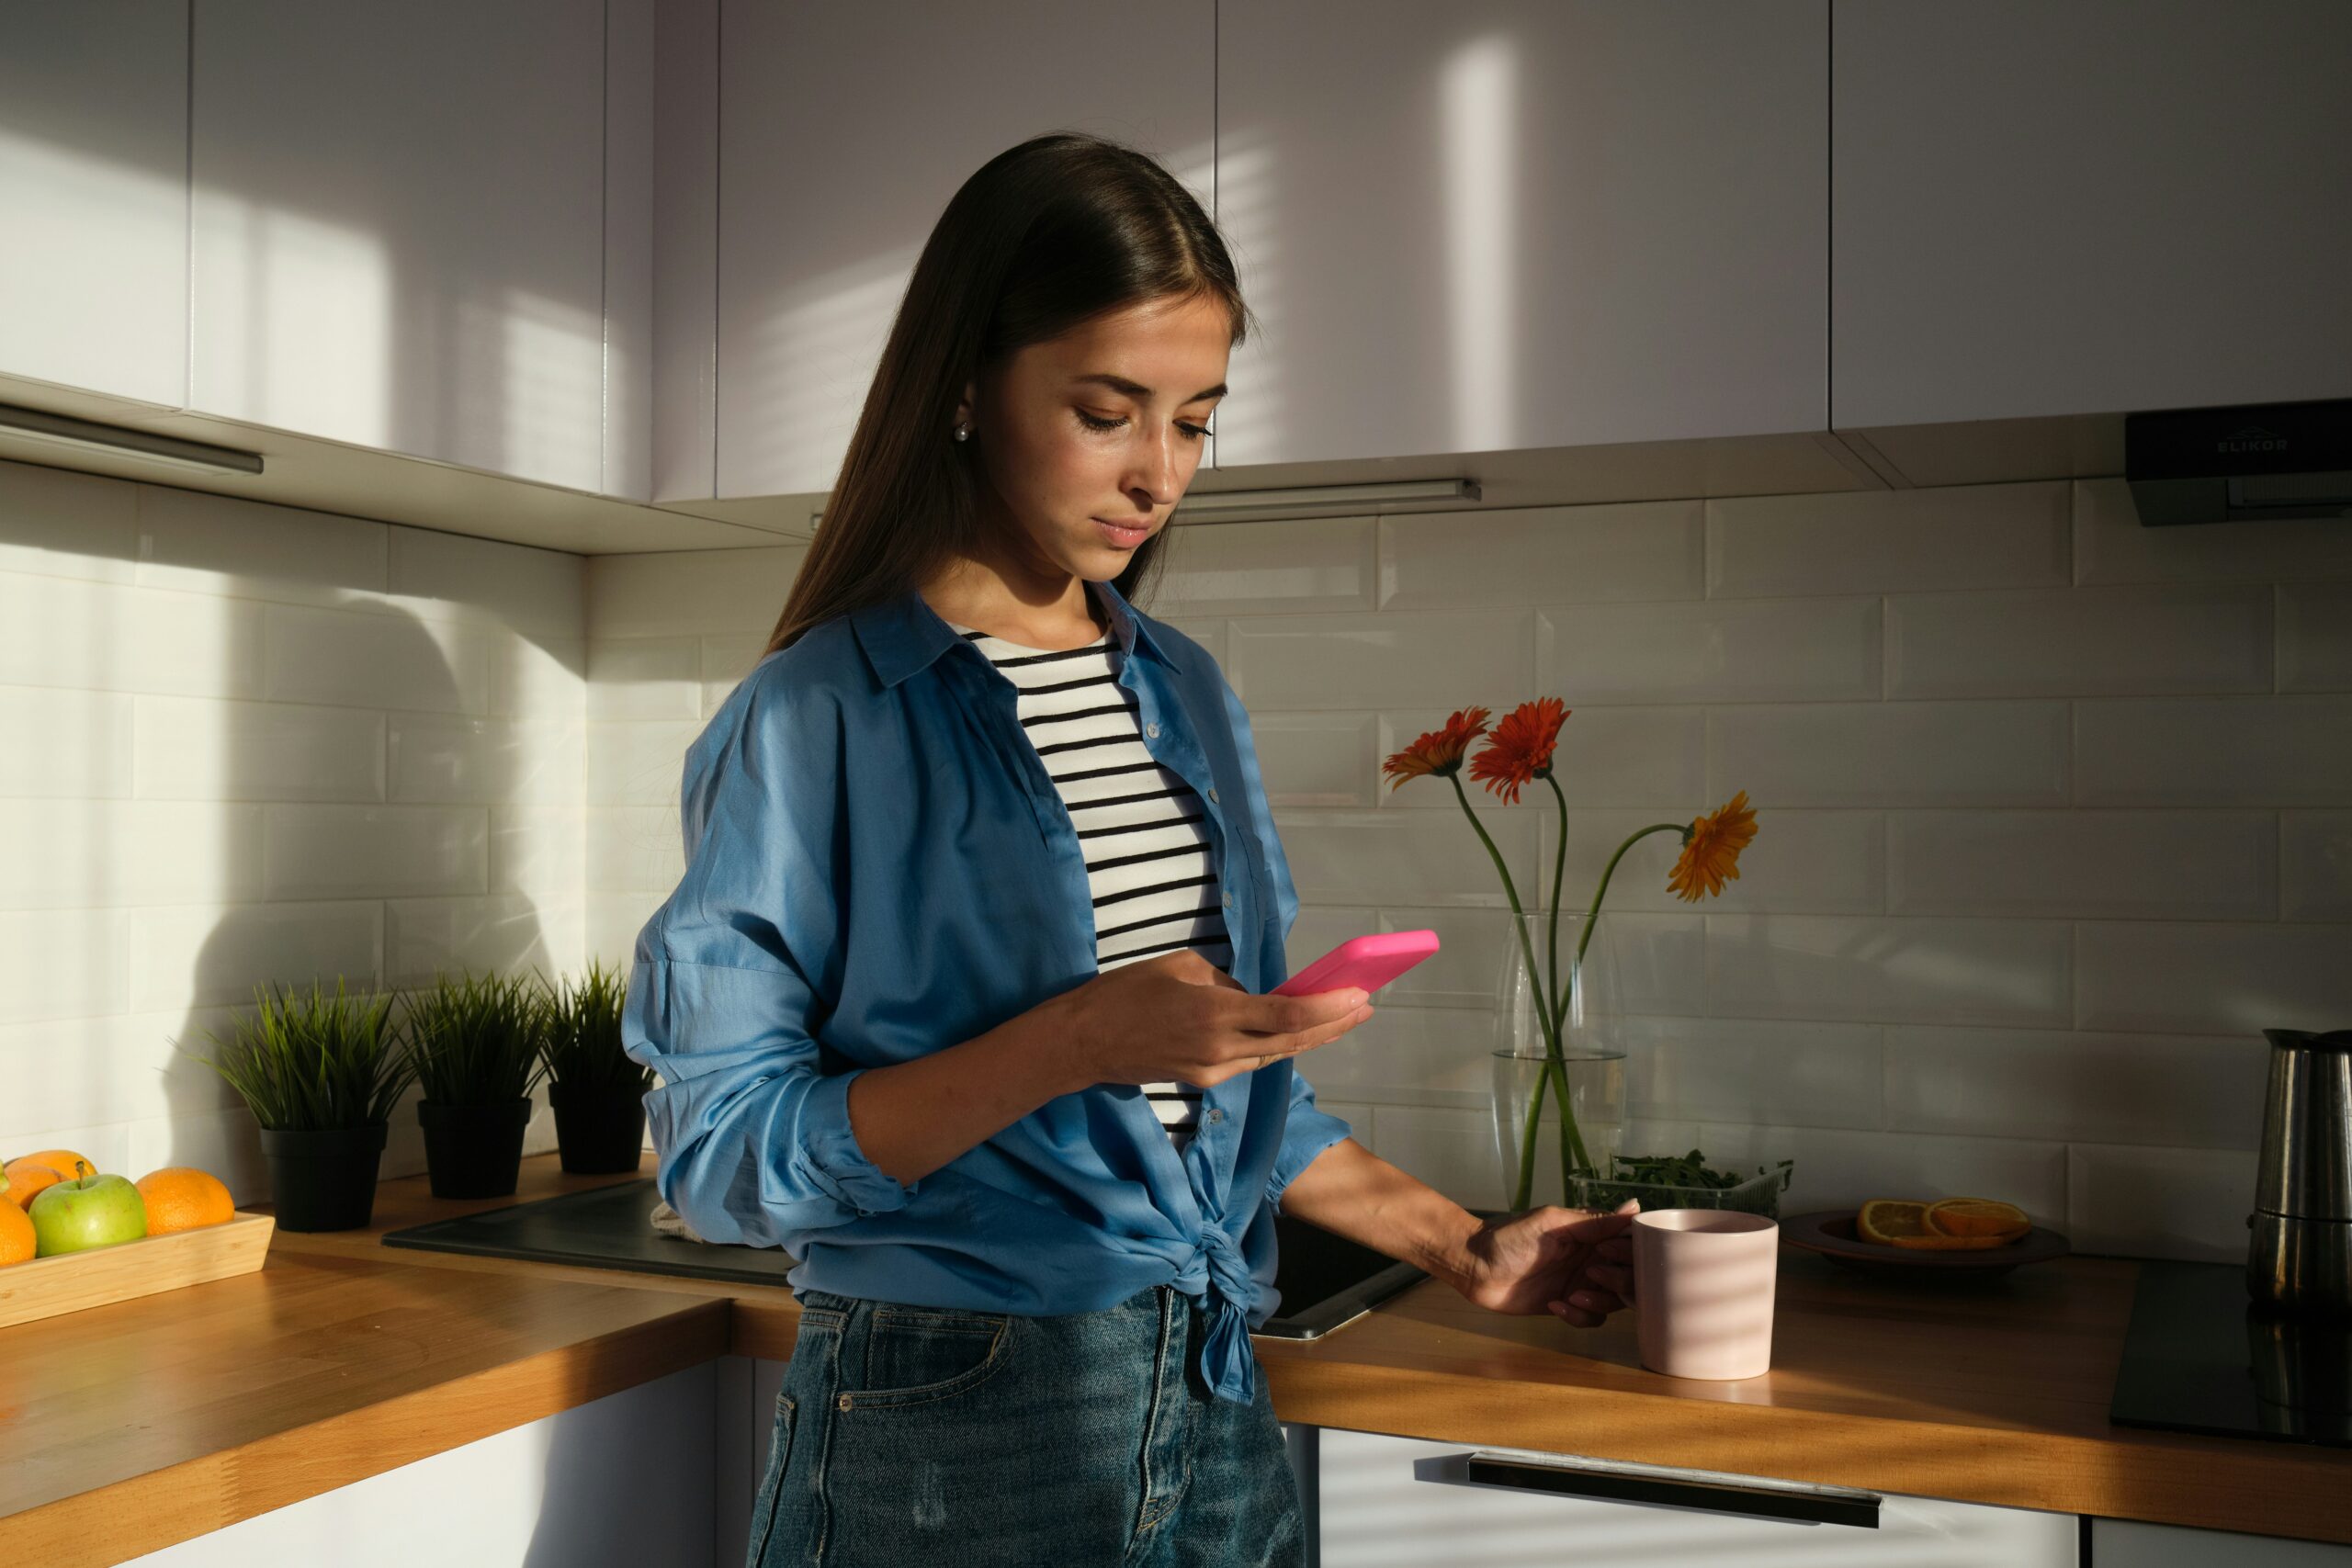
<point x="961" y="1000"/>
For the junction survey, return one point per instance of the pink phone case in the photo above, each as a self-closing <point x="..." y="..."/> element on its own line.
<point x="1367" y="963"/>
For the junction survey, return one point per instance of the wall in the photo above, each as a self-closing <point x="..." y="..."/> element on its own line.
<point x="242" y="742"/>
<point x="2055" y="814"/>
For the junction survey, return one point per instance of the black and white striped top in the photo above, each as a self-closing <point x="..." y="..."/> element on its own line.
<point x="1147" y="859"/>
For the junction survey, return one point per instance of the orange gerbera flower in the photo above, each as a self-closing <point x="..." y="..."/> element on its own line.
<point x="1711" y="849"/>
<point x="1437" y="752"/>
<point x="1521" y="747"/>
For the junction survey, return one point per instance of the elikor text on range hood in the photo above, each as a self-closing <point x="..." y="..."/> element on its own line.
<point x="2246" y="463"/>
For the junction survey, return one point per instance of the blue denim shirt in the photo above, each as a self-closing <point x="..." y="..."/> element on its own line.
<point x="879" y="865"/>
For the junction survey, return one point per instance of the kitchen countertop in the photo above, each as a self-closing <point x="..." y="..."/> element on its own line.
<point x="173" y="1415"/>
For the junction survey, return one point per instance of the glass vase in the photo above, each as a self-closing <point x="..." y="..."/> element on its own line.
<point x="1559" y="1091"/>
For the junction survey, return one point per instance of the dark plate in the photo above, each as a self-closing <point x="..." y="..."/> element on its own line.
<point x="1831" y="1233"/>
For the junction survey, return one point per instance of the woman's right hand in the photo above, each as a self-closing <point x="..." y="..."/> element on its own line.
<point x="1180" y="1018"/>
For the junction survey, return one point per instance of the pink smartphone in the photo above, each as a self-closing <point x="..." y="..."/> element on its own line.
<point x="1367" y="963"/>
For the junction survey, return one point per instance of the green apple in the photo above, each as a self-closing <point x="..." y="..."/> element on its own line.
<point x="96" y="1211"/>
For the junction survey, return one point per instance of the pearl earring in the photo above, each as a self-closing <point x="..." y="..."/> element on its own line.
<point x="963" y="433"/>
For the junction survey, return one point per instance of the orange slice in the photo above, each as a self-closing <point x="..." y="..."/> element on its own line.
<point x="1952" y="1243"/>
<point x="1891" y="1219"/>
<point x="1977" y="1216"/>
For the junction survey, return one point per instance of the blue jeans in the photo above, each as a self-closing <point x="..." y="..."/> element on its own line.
<point x="925" y="1434"/>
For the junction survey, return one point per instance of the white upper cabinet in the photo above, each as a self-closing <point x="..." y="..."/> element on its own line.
<point x="1542" y="223"/>
<point x="845" y="130"/>
<point x="2097" y="207"/>
<point x="93" y="196"/>
<point x="398" y="235"/>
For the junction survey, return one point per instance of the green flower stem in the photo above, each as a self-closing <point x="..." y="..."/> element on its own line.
<point x="1593" y="917"/>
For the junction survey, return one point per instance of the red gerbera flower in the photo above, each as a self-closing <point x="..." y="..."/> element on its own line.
<point x="1521" y="748"/>
<point x="1437" y="752"/>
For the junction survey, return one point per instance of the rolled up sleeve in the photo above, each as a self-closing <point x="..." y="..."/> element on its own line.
<point x="751" y="1138"/>
<point x="1307" y="1129"/>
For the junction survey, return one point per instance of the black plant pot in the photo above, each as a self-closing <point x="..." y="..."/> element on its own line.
<point x="474" y="1151"/>
<point x="599" y="1131"/>
<point x="325" y="1178"/>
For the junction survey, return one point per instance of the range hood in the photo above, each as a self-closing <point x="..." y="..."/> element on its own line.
<point x="2247" y="463"/>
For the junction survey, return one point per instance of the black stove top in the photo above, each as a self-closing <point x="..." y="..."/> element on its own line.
<point x="2200" y="1358"/>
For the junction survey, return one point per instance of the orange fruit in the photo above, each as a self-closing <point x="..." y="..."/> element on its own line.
<point x="1978" y="1216"/>
<point x="1933" y="1243"/>
<point x="16" y="1234"/>
<point x="1891" y="1219"/>
<point x="62" y="1161"/>
<point x="182" y="1198"/>
<point x="27" y="1176"/>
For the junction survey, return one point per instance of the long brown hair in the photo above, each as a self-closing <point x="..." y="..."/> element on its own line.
<point x="1044" y="236"/>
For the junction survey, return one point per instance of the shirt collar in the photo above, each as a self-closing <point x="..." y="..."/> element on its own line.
<point x="904" y="634"/>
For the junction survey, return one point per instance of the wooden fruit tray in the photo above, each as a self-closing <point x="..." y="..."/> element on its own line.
<point x="43" y="1287"/>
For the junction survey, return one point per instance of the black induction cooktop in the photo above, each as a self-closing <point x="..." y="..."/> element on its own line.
<point x="2199" y="1356"/>
<point x="1325" y="1279"/>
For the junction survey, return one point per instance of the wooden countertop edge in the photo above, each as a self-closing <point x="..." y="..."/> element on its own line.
<point x="2261" y="1488"/>
<point x="146" y="1512"/>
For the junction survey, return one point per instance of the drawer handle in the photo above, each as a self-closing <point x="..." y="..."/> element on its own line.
<point x="1804" y="1504"/>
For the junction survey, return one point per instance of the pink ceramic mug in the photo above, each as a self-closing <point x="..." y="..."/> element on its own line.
<point x="1702" y="1291"/>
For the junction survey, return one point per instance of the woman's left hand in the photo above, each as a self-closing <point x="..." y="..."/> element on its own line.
<point x="1576" y="1263"/>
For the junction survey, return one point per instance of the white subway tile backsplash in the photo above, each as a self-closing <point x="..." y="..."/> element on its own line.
<point x="1801" y="863"/>
<point x="540" y="851"/>
<point x="2004" y="535"/>
<point x="1893" y="970"/>
<point x="652" y="679"/>
<point x="1456" y="1151"/>
<point x="2315" y="637"/>
<point x="1607" y="757"/>
<point x="638" y="764"/>
<point x="2079" y="642"/>
<point x="534" y="677"/>
<point x="1783" y="1074"/>
<point x="512" y="588"/>
<point x="1320" y="759"/>
<point x="1365" y="857"/>
<point x="226" y="1142"/>
<point x="725" y="662"/>
<point x="2187" y="1092"/>
<point x="214" y="955"/>
<point x="503" y="933"/>
<point x="1209" y="633"/>
<point x="634" y="848"/>
<point x="93" y="1071"/>
<point x="2250" y="751"/>
<point x="2146" y="1202"/>
<point x="2112" y="545"/>
<point x="63" y="964"/>
<point x="690" y="593"/>
<point x="2213" y="978"/>
<point x="1543" y="555"/>
<point x="55" y="523"/>
<point x="105" y="637"/>
<point x="614" y="920"/>
<point x="1890" y="754"/>
<point x="375" y="659"/>
<point x="356" y="851"/>
<point x="198" y="541"/>
<point x="1443" y="658"/>
<point x="2128" y="864"/>
<point x="441" y="759"/>
<point x="1408" y="1055"/>
<point x="2315" y="862"/>
<point x="1216" y="568"/>
<point x="198" y="748"/>
<point x="79" y="854"/>
<point x="1749" y="651"/>
<point x="65" y="743"/>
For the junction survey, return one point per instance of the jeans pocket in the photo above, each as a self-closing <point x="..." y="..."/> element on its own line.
<point x="764" y="1507"/>
<point x="917" y="1355"/>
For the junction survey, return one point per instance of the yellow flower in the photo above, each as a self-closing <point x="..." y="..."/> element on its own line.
<point x="1711" y="849"/>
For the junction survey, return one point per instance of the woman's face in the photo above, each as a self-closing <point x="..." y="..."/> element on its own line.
<point x="1099" y="425"/>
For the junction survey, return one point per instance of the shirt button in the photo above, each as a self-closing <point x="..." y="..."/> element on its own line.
<point x="1212" y="794"/>
<point x="1152" y="729"/>
<point x="1228" y="900"/>
<point x="1217" y="1115"/>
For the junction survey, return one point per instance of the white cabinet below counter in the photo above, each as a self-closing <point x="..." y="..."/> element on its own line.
<point x="1388" y="1502"/>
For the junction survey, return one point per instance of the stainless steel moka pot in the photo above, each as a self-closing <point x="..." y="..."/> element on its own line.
<point x="2299" y="1256"/>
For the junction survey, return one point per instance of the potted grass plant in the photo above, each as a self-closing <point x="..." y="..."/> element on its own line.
<point x="597" y="1091"/>
<point x="478" y="1044"/>
<point x="321" y="1074"/>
